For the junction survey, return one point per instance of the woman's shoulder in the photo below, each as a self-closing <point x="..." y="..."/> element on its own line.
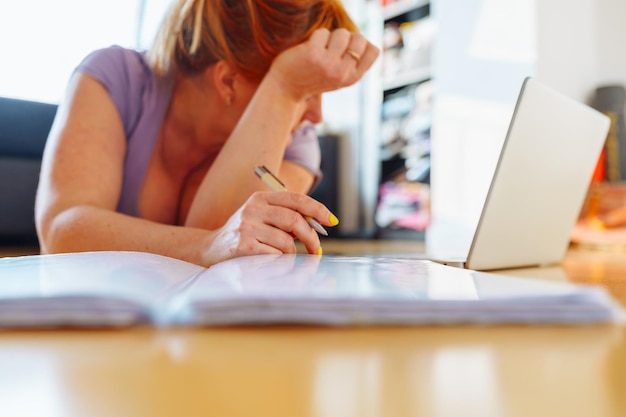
<point x="127" y="77"/>
<point x="115" y="59"/>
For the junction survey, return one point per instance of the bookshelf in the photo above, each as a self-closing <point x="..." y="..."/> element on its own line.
<point x="406" y="116"/>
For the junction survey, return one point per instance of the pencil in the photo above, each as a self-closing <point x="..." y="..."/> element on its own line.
<point x="276" y="185"/>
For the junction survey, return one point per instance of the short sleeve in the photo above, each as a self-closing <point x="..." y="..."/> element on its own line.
<point x="123" y="73"/>
<point x="141" y="99"/>
<point x="304" y="150"/>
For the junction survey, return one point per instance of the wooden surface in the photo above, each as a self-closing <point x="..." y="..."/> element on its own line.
<point x="311" y="371"/>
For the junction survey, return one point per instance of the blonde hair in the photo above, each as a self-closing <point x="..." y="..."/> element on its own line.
<point x="248" y="34"/>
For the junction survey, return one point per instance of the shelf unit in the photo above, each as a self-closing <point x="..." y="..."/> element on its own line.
<point x="410" y="77"/>
<point x="408" y="37"/>
<point x="393" y="9"/>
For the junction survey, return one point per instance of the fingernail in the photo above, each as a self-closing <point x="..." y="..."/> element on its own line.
<point x="319" y="251"/>
<point x="334" y="221"/>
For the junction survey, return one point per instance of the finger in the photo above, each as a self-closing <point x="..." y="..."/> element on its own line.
<point x="271" y="238"/>
<point x="292" y="222"/>
<point x="275" y="225"/>
<point x="303" y="204"/>
<point x="230" y="245"/>
<point x="266" y="246"/>
<point x="356" y="48"/>
<point x="287" y="225"/>
<point x="368" y="57"/>
<point x="364" y="64"/>
<point x="272" y="246"/>
<point x="320" y="37"/>
<point x="338" y="42"/>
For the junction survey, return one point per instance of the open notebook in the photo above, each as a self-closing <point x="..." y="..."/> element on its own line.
<point x="115" y="289"/>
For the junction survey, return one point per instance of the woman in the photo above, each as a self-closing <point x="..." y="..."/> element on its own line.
<point x="156" y="152"/>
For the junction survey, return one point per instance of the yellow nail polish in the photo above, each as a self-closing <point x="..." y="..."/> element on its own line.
<point x="319" y="251"/>
<point x="334" y="221"/>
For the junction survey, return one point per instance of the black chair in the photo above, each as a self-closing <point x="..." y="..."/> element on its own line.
<point x="24" y="128"/>
<point x="326" y="191"/>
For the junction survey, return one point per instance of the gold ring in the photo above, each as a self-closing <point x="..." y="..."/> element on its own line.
<point x="353" y="54"/>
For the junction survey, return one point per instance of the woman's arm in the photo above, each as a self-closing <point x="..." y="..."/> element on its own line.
<point x="81" y="179"/>
<point x="263" y="131"/>
<point x="80" y="185"/>
<point x="295" y="177"/>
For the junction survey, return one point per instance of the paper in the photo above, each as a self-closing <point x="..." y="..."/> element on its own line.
<point x="339" y="290"/>
<point x="86" y="289"/>
<point x="116" y="289"/>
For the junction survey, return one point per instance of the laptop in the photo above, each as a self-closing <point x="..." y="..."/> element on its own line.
<point x="540" y="182"/>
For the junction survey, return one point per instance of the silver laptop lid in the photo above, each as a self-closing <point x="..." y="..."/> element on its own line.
<point x="540" y="182"/>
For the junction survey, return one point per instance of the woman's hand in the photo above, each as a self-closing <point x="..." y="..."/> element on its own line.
<point x="269" y="222"/>
<point x="326" y="62"/>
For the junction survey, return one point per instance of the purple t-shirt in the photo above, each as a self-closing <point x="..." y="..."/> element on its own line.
<point x="142" y="98"/>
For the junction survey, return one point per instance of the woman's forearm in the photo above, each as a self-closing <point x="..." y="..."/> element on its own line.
<point x="260" y="138"/>
<point x="88" y="228"/>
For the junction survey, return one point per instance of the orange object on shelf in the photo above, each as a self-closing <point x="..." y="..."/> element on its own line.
<point x="599" y="174"/>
